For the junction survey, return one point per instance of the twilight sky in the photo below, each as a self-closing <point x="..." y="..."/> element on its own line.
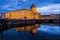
<point x="43" y="6"/>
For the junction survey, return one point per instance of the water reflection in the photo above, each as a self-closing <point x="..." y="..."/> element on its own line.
<point x="50" y="28"/>
<point x="44" y="32"/>
<point x="31" y="28"/>
<point x="54" y="24"/>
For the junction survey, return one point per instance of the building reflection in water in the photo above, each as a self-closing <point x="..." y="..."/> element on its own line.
<point x="51" y="24"/>
<point x="54" y="24"/>
<point x="45" y="31"/>
<point x="31" y="28"/>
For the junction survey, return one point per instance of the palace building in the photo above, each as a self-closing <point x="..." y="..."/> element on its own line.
<point x="23" y="14"/>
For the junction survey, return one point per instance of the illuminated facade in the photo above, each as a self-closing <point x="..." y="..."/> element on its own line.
<point x="22" y="14"/>
<point x="52" y="16"/>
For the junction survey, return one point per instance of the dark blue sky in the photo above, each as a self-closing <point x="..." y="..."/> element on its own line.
<point x="43" y="6"/>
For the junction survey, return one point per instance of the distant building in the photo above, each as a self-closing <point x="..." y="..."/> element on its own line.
<point x="0" y="16"/>
<point x="39" y="15"/>
<point x="57" y="16"/>
<point x="45" y="16"/>
<point x="52" y="16"/>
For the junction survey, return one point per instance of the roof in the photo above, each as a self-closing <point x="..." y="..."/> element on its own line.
<point x="32" y="5"/>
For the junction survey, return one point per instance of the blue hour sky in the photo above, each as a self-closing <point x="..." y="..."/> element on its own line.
<point x="43" y="6"/>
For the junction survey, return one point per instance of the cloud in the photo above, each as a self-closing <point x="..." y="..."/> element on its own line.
<point x="49" y="8"/>
<point x="24" y="0"/>
<point x="21" y="0"/>
<point x="41" y="7"/>
<point x="14" y="4"/>
<point x="6" y="7"/>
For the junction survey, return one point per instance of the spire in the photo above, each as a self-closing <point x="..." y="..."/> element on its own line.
<point x="33" y="8"/>
<point x="32" y="5"/>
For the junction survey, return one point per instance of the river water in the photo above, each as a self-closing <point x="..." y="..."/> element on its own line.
<point x="44" y="32"/>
